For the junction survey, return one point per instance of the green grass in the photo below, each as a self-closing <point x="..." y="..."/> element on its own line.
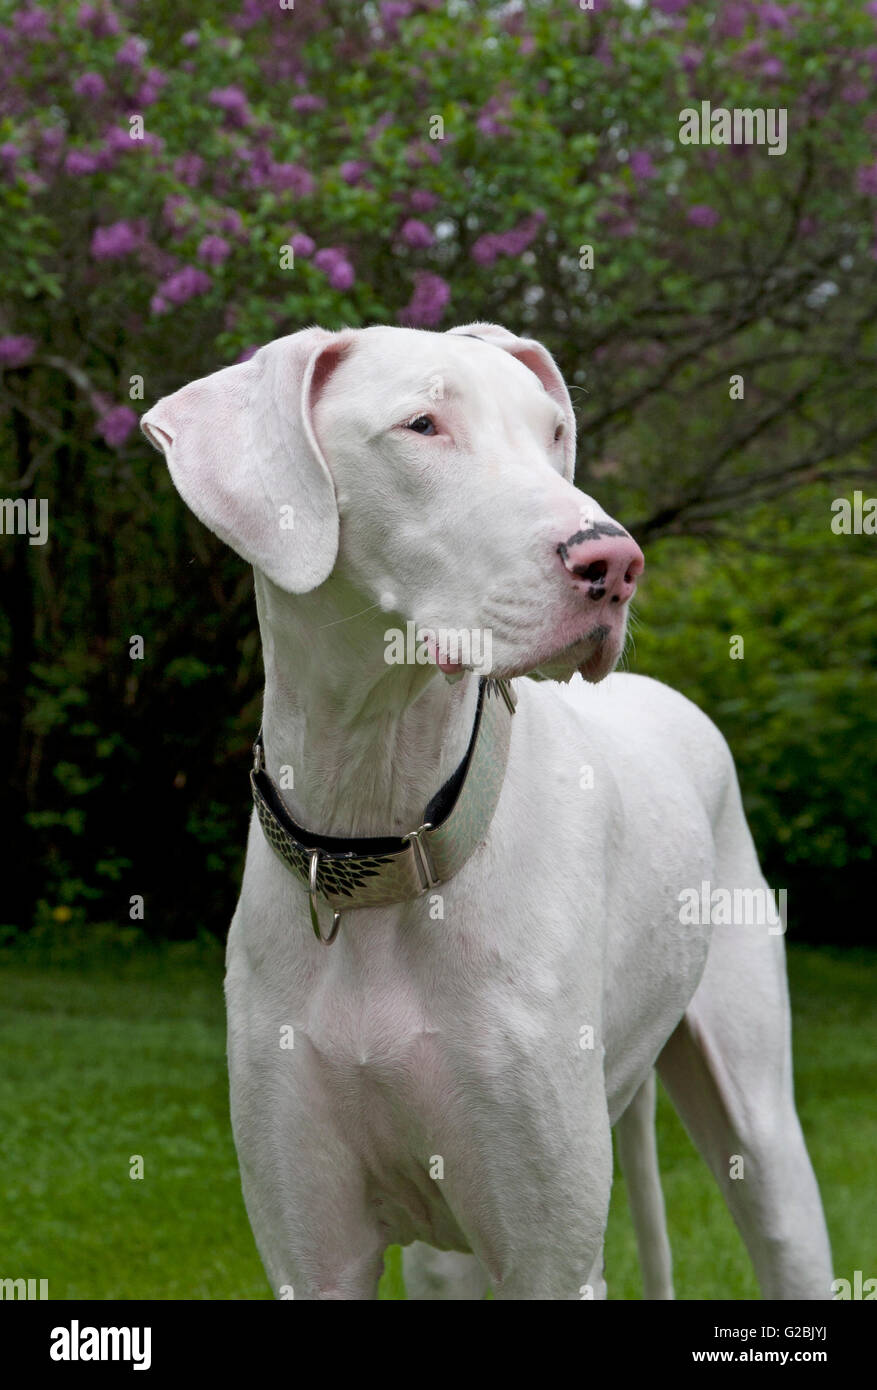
<point x="122" y="1054"/>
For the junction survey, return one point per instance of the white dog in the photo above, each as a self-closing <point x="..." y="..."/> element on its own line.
<point x="499" y="862"/>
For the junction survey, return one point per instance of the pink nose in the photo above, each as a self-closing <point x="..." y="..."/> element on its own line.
<point x="606" y="560"/>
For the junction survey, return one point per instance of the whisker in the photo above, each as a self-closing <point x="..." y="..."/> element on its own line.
<point x="349" y="619"/>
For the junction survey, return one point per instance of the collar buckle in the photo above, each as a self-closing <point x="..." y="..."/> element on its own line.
<point x="423" y="859"/>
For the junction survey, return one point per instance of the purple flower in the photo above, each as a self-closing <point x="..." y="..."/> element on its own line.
<point x="327" y="257"/>
<point x="731" y="21"/>
<point x="230" y="221"/>
<point x="871" y="8"/>
<point x="213" y="250"/>
<point x="626" y="226"/>
<point x="671" y="6"/>
<point x="342" y="275"/>
<point x="489" y="125"/>
<point x="82" y="162"/>
<point x="854" y="93"/>
<point x="132" y="52"/>
<point x="773" y="16"/>
<point x="118" y="239"/>
<point x="302" y="245"/>
<point x="188" y="169"/>
<point x="52" y="138"/>
<point x="178" y="288"/>
<point x="233" y="102"/>
<point x="489" y="120"/>
<point x="866" y="179"/>
<point x="603" y="53"/>
<point x="90" y="85"/>
<point x="416" y="234"/>
<point x="519" y="238"/>
<point x="32" y="23"/>
<point x="9" y="154"/>
<point x="247" y="353"/>
<point x="290" y="177"/>
<point x="394" y="10"/>
<point x="485" y="250"/>
<point x="149" y="92"/>
<point x="15" y="351"/>
<point x="772" y="67"/>
<point x="116" y="140"/>
<point x="101" y="21"/>
<point x="419" y="151"/>
<point x="691" y="59"/>
<point x="352" y="170"/>
<point x="190" y="39"/>
<point x="428" y="302"/>
<point x="380" y="125"/>
<point x="306" y="101"/>
<point x="514" y="241"/>
<point x="641" y="165"/>
<point x="116" y="424"/>
<point x="333" y="262"/>
<point x="424" y="200"/>
<point x="701" y="215"/>
<point x="754" y="55"/>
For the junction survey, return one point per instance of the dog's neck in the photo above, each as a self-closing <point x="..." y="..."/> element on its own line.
<point x="368" y="744"/>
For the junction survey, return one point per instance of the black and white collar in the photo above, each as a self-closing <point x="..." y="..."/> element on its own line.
<point x="379" y="871"/>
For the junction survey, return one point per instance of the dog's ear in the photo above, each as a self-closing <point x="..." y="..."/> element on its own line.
<point x="543" y="365"/>
<point x="243" y="455"/>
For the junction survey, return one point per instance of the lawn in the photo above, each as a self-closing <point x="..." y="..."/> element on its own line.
<point x="122" y="1053"/>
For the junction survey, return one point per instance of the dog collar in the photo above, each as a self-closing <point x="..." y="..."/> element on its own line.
<point x="379" y="871"/>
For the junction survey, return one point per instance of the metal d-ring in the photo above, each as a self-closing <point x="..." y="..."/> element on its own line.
<point x="312" y="895"/>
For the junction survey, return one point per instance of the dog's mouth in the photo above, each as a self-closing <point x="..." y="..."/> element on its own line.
<point x="593" y="656"/>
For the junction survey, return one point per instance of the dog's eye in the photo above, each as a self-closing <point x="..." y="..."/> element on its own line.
<point x="422" y="424"/>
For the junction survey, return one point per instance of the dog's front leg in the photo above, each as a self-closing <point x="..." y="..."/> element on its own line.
<point x="303" y="1181"/>
<point x="313" y="1246"/>
<point x="542" y="1232"/>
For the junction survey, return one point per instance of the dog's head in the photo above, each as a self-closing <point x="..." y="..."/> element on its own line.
<point x="431" y="471"/>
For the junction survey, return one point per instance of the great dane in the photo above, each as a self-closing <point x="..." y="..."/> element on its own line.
<point x="466" y="933"/>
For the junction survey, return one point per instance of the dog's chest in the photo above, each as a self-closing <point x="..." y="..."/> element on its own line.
<point x="378" y="1051"/>
<point x="422" y="1068"/>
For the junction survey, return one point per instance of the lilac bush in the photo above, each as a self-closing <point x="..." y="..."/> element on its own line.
<point x="181" y="182"/>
